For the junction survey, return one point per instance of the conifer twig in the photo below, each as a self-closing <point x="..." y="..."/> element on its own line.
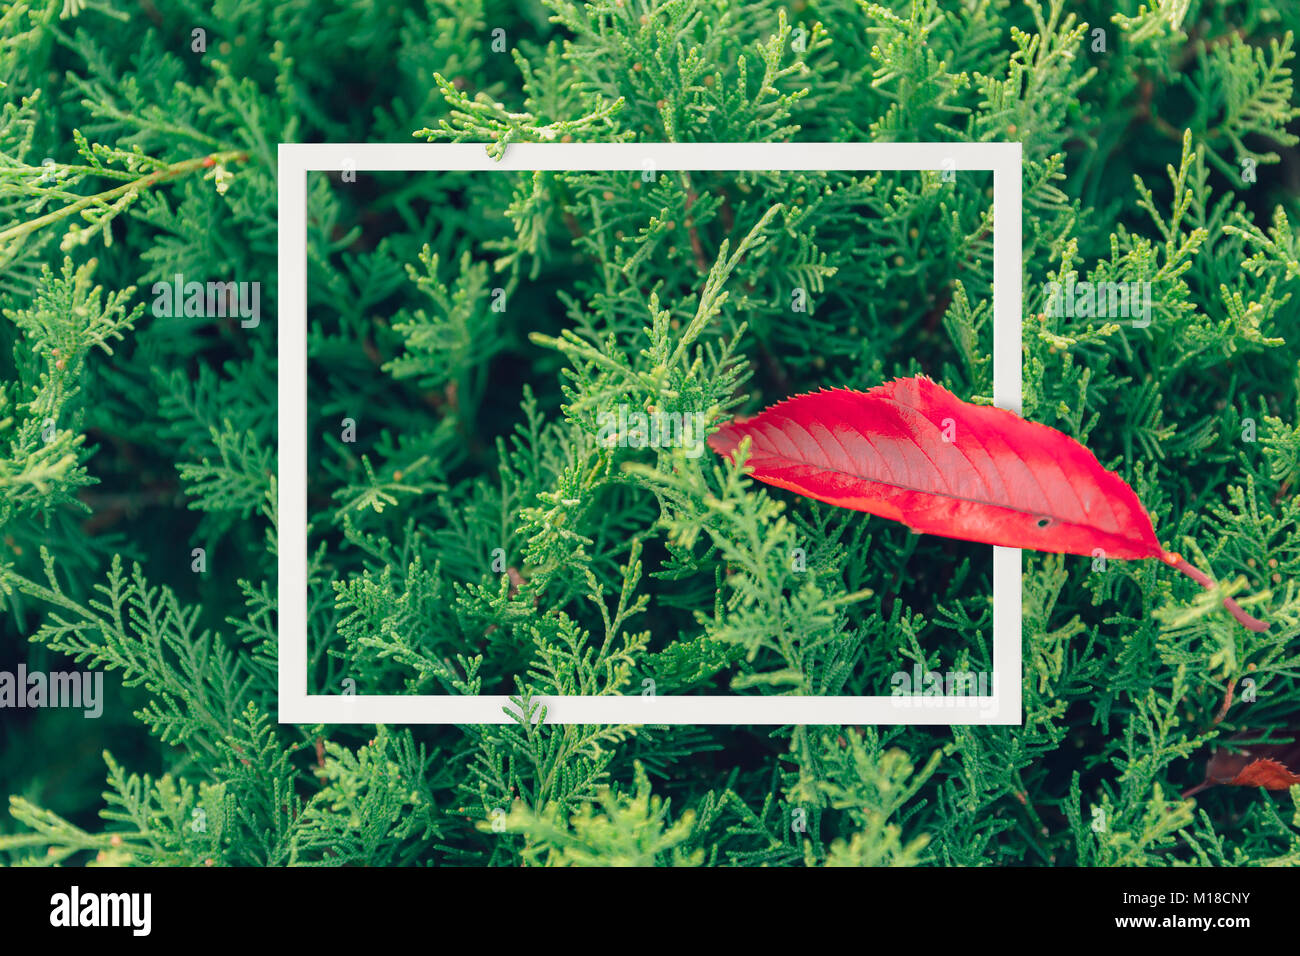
<point x="117" y="193"/>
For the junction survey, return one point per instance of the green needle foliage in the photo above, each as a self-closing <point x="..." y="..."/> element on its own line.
<point x="475" y="526"/>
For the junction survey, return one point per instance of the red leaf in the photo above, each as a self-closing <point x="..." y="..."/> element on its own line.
<point x="1257" y="765"/>
<point x="911" y="451"/>
<point x="1265" y="773"/>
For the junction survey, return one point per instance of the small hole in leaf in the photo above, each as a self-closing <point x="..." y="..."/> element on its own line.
<point x="1044" y="522"/>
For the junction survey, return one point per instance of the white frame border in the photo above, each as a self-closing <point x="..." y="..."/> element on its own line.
<point x="296" y="706"/>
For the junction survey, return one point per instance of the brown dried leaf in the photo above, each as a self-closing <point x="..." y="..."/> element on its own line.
<point x="1273" y="766"/>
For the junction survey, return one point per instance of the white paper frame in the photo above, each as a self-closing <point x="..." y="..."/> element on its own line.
<point x="297" y="706"/>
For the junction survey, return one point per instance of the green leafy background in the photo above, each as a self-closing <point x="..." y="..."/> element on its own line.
<point x="1158" y="146"/>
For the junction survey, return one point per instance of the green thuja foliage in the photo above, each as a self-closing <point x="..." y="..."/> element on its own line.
<point x="476" y="525"/>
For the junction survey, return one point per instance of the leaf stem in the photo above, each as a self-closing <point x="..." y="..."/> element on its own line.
<point x="1177" y="562"/>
